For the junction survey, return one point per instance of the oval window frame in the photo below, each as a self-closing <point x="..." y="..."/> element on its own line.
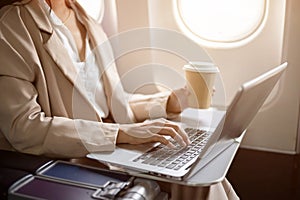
<point x="219" y="44"/>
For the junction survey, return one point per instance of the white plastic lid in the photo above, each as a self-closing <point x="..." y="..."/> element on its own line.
<point x="206" y="67"/>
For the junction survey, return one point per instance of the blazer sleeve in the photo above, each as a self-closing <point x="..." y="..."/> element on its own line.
<point x="29" y="130"/>
<point x="149" y="106"/>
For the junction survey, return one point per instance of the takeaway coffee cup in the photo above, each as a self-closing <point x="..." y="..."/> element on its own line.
<point x="200" y="77"/>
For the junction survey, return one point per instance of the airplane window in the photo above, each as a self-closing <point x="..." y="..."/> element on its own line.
<point x="221" y="22"/>
<point x="95" y="8"/>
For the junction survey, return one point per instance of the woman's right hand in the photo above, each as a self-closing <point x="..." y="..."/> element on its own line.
<point x="152" y="131"/>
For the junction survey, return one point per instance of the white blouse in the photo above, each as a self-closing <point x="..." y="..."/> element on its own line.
<point x="88" y="70"/>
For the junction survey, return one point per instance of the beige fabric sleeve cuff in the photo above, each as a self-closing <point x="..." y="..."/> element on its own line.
<point x="149" y="106"/>
<point x="99" y="136"/>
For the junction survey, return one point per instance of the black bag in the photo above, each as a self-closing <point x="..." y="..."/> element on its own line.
<point x="65" y="180"/>
<point x="15" y="166"/>
<point x="24" y="176"/>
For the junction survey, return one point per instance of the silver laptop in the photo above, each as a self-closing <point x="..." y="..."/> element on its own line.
<point x="207" y="142"/>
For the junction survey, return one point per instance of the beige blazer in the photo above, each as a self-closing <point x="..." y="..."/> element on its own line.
<point x="43" y="108"/>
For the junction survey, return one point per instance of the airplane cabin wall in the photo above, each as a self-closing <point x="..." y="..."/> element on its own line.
<point x="291" y="54"/>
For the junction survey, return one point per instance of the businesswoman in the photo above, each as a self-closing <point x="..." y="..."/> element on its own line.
<point x="59" y="96"/>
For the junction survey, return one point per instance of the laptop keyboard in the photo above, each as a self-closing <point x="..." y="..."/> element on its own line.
<point x="176" y="158"/>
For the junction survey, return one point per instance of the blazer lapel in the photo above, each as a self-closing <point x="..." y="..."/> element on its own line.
<point x="52" y="44"/>
<point x="56" y="50"/>
<point x="60" y="56"/>
<point x="116" y="97"/>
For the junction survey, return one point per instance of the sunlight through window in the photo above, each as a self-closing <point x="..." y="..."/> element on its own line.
<point x="94" y="8"/>
<point x="217" y="22"/>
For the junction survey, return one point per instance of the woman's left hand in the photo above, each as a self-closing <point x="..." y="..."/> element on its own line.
<point x="178" y="100"/>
